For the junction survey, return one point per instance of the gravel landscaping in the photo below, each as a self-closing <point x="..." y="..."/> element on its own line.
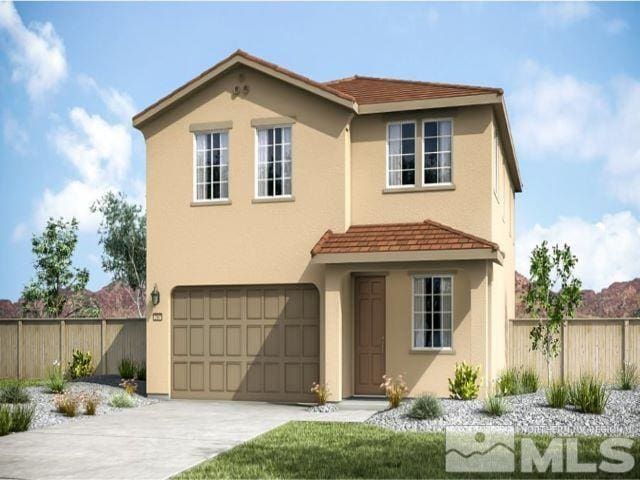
<point x="529" y="414"/>
<point x="326" y="408"/>
<point x="45" y="411"/>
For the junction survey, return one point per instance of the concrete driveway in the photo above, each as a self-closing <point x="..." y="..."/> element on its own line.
<point x="152" y="442"/>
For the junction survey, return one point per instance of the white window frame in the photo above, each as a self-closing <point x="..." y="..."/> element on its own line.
<point x="195" y="167"/>
<point x="415" y="153"/>
<point x="413" y="313"/>
<point x="423" y="151"/>
<point x="256" y="155"/>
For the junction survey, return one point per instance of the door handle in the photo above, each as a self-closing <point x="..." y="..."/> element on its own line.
<point x="382" y="342"/>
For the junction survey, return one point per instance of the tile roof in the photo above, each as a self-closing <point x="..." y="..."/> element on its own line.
<point x="399" y="237"/>
<point x="369" y="90"/>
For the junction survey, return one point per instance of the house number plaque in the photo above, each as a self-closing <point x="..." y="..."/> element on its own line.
<point x="157" y="317"/>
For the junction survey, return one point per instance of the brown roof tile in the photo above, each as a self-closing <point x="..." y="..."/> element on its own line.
<point x="427" y="235"/>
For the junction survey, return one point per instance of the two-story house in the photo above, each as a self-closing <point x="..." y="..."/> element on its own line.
<point x="301" y="231"/>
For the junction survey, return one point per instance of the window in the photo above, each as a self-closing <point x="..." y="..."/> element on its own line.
<point x="432" y="311"/>
<point x="274" y="162"/>
<point x="212" y="166"/>
<point x="437" y="151"/>
<point x="401" y="154"/>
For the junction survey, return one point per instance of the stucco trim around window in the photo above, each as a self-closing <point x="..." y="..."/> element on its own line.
<point x="425" y="188"/>
<point x="272" y="122"/>
<point x="210" y="126"/>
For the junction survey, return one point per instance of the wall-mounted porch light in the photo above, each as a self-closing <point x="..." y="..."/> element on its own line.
<point x="155" y="295"/>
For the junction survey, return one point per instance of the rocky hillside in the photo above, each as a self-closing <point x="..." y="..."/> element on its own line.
<point x="618" y="300"/>
<point x="113" y="299"/>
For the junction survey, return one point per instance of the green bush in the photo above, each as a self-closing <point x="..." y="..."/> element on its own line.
<point x="557" y="394"/>
<point x="495" y="405"/>
<point x="5" y="420"/>
<point x="121" y="400"/>
<point x="508" y="382"/>
<point x="14" y="393"/>
<point x="142" y="372"/>
<point x="426" y="406"/>
<point x="81" y="365"/>
<point x="21" y="416"/>
<point x="588" y="395"/>
<point x="465" y="384"/>
<point x="55" y="381"/>
<point x="529" y="381"/>
<point x="628" y="378"/>
<point x="127" y="369"/>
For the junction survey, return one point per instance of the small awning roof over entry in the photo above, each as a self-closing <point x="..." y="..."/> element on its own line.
<point x="395" y="242"/>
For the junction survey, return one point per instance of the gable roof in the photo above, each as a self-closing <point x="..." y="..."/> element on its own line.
<point x="369" y="90"/>
<point x="362" y="95"/>
<point x="399" y="237"/>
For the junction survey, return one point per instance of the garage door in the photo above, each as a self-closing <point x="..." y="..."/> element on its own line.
<point x="245" y="343"/>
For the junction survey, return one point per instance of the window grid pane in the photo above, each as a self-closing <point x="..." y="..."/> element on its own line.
<point x="437" y="152"/>
<point x="212" y="166"/>
<point x="401" y="159"/>
<point x="432" y="312"/>
<point x="274" y="162"/>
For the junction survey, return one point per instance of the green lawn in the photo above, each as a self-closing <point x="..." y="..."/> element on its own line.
<point x="340" y="450"/>
<point x="26" y="382"/>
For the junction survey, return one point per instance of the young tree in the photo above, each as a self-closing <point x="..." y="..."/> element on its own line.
<point x="58" y="288"/>
<point x="123" y="236"/>
<point x="551" y="270"/>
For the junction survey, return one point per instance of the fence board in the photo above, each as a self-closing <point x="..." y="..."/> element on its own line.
<point x="29" y="350"/>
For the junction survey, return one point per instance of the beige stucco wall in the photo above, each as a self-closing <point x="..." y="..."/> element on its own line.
<point x="245" y="242"/>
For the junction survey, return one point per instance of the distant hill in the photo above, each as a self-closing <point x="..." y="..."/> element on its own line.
<point x="618" y="300"/>
<point x="113" y="299"/>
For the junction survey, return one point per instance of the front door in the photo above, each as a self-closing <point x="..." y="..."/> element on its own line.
<point x="369" y="335"/>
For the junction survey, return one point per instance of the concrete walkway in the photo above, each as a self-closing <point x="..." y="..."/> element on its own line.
<point x="153" y="442"/>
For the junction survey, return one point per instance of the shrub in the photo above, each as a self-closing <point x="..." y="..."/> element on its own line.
<point x="395" y="389"/>
<point x="508" y="382"/>
<point x="465" y="384"/>
<point x="495" y="405"/>
<point x="426" y="406"/>
<point x="121" y="400"/>
<point x="21" y="416"/>
<point x="130" y="386"/>
<point x="141" y="372"/>
<point x="67" y="404"/>
<point x="557" y="394"/>
<point x="91" y="402"/>
<point x="13" y="393"/>
<point x="127" y="369"/>
<point x="321" y="391"/>
<point x="81" y="365"/>
<point x="5" y="420"/>
<point x="529" y="380"/>
<point x="628" y="378"/>
<point x="55" y="381"/>
<point x="589" y="395"/>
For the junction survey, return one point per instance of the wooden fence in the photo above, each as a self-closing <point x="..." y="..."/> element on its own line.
<point x="29" y="346"/>
<point x="588" y="345"/>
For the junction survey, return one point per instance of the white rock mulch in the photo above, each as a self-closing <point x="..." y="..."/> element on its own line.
<point x="46" y="414"/>
<point x="528" y="414"/>
<point x="326" y="408"/>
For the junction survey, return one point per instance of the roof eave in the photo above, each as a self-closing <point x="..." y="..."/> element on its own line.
<point x="443" y="102"/>
<point x="507" y="141"/>
<point x="410" y="256"/>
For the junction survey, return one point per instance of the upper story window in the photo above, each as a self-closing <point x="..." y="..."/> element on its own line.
<point x="273" y="175"/>
<point x="437" y="151"/>
<point x="212" y="166"/>
<point x="432" y="311"/>
<point x="401" y="154"/>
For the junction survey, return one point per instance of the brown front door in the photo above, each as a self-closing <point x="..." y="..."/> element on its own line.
<point x="369" y="335"/>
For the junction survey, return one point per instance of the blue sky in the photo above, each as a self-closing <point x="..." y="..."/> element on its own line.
<point x="72" y="74"/>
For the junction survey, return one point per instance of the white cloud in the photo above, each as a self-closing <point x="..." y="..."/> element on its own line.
<point x="100" y="153"/>
<point x="562" y="14"/>
<point x="565" y="118"/>
<point x="36" y="52"/>
<point x="14" y="134"/>
<point x="607" y="250"/>
<point x="118" y="103"/>
<point x="615" y="26"/>
<point x="19" y="233"/>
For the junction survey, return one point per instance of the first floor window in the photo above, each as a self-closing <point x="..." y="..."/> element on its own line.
<point x="274" y="162"/>
<point x="437" y="152"/>
<point x="401" y="147"/>
<point x="212" y="166"/>
<point x="432" y="311"/>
